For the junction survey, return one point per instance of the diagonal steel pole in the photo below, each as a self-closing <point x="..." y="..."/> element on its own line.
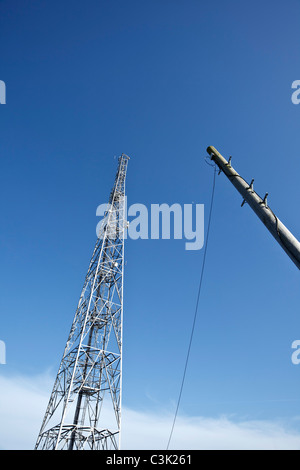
<point x="260" y="206"/>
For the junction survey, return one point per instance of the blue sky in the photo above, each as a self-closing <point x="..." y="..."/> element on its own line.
<point x="159" y="81"/>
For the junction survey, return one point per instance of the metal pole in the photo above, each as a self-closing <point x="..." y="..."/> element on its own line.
<point x="260" y="206"/>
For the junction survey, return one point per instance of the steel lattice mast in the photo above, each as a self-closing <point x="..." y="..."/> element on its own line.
<point x="84" y="410"/>
<point x="282" y="235"/>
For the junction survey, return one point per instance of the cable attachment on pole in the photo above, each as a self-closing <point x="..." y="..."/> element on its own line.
<point x="265" y="200"/>
<point x="251" y="186"/>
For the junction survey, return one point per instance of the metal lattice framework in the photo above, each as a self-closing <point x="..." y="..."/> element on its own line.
<point x="84" y="410"/>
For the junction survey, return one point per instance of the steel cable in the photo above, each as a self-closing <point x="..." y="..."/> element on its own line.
<point x="196" y="307"/>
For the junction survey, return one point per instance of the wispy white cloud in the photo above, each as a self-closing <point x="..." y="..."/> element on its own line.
<point x="23" y="401"/>
<point x="146" y="431"/>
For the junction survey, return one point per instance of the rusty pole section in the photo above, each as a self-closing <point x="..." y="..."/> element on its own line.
<point x="260" y="206"/>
